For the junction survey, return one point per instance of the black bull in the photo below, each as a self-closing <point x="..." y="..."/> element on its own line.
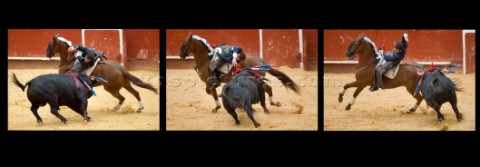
<point x="242" y="91"/>
<point x="57" y="90"/>
<point x="438" y="89"/>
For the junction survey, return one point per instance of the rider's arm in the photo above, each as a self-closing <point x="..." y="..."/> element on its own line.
<point x="82" y="61"/>
<point x="83" y="49"/>
<point x="405" y="41"/>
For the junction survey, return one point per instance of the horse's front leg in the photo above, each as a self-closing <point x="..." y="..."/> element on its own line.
<point x="357" y="91"/>
<point x="345" y="87"/>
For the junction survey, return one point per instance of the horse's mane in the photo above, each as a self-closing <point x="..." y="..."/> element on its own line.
<point x="204" y="41"/>
<point x="61" y="39"/>
<point x="369" y="41"/>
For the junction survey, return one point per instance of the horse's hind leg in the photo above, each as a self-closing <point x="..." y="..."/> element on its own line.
<point x="34" y="109"/>
<point x="262" y="102"/>
<point x="136" y="94"/>
<point x="417" y="96"/>
<point x="116" y="93"/>
<point x="357" y="91"/>
<point x="215" y="96"/>
<point x="268" y="89"/>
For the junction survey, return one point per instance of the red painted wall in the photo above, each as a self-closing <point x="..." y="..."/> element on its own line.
<point x="310" y="37"/>
<point x="141" y="46"/>
<point x="280" y="46"/>
<point x="33" y="43"/>
<point x="424" y="45"/>
<point x="470" y="52"/>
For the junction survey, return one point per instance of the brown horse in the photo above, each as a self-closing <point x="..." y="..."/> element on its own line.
<point x="407" y="75"/>
<point x="116" y="75"/>
<point x="202" y="60"/>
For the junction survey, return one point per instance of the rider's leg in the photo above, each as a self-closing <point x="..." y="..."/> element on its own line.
<point x="212" y="76"/>
<point x="77" y="67"/>
<point x="382" y="69"/>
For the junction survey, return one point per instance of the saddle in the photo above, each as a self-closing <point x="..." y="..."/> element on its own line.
<point x="90" y="70"/>
<point x="391" y="73"/>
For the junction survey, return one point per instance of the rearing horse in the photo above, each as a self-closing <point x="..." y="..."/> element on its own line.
<point x="407" y="75"/>
<point x="200" y="51"/>
<point x="114" y="73"/>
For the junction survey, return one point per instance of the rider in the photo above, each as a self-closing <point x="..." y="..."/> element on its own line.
<point x="223" y="54"/>
<point x="393" y="60"/>
<point x="85" y="58"/>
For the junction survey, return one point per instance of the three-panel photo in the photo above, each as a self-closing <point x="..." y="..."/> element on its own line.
<point x="241" y="80"/>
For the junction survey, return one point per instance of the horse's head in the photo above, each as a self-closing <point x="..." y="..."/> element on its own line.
<point x="185" y="49"/>
<point x="353" y="48"/>
<point x="55" y="46"/>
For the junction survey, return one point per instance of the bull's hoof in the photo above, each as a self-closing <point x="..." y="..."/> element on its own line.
<point x="266" y="111"/>
<point x="257" y="125"/>
<point x="64" y="121"/>
<point x="216" y="109"/>
<point x="139" y="110"/>
<point x="237" y="122"/>
<point x="410" y="111"/>
<point x="40" y="122"/>
<point x="340" y="98"/>
<point x="460" y="117"/>
<point x="348" y="107"/>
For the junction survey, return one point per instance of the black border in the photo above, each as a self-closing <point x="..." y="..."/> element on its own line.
<point x="303" y="20"/>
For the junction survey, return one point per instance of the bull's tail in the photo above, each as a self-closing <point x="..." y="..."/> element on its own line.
<point x="132" y="78"/>
<point x="286" y="81"/>
<point x="16" y="82"/>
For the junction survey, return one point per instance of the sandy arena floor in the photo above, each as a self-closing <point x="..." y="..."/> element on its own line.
<point x="189" y="106"/>
<point x="381" y="110"/>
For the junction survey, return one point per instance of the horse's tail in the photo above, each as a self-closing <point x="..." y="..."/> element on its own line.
<point x="134" y="79"/>
<point x="16" y="82"/>
<point x="139" y="82"/>
<point x="285" y="80"/>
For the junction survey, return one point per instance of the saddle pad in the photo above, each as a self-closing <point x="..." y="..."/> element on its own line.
<point x="391" y="73"/>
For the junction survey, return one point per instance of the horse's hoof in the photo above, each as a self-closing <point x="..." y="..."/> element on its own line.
<point x="340" y="98"/>
<point x="258" y="125"/>
<point x="216" y="109"/>
<point x="40" y="122"/>
<point x="411" y="110"/>
<point x="348" y="107"/>
<point x="116" y="108"/>
<point x="64" y="121"/>
<point x="139" y="110"/>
